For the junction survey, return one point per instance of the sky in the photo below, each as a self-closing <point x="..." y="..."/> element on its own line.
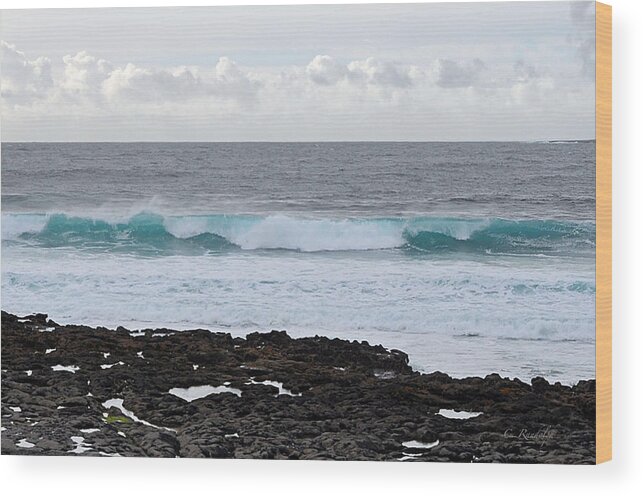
<point x="498" y="71"/>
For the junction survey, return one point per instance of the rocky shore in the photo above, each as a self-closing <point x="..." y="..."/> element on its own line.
<point x="76" y="390"/>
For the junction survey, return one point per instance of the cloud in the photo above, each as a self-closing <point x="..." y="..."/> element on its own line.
<point x="88" y="84"/>
<point x="583" y="36"/>
<point x="586" y="51"/>
<point x="528" y="87"/>
<point x="524" y="72"/>
<point x="23" y="80"/>
<point x="326" y="71"/>
<point x="375" y="72"/>
<point x="85" y="81"/>
<point x="290" y="101"/>
<point x="231" y="81"/>
<point x="453" y="74"/>
<point x="398" y="72"/>
<point x="142" y="85"/>
<point x="83" y="75"/>
<point x="134" y="84"/>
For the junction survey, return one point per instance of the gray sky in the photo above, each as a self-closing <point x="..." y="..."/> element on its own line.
<point x="476" y="71"/>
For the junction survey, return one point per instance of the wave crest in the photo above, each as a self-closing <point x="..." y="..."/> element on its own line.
<point x="149" y="232"/>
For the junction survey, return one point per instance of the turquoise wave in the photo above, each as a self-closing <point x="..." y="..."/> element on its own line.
<point x="157" y="234"/>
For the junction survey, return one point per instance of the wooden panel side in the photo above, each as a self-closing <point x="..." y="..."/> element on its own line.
<point x="603" y="232"/>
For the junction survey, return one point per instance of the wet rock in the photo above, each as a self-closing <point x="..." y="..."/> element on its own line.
<point x="322" y="399"/>
<point x="539" y="384"/>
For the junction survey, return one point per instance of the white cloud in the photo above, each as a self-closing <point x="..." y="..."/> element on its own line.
<point x="375" y="72"/>
<point x="232" y="82"/>
<point x="90" y="83"/>
<point x="457" y="74"/>
<point x="142" y="85"/>
<point x="93" y="83"/>
<point x="582" y="37"/>
<point x="83" y="75"/>
<point x="366" y="98"/>
<point x="326" y="71"/>
<point x="23" y="80"/>
<point x="132" y="84"/>
<point x="524" y="72"/>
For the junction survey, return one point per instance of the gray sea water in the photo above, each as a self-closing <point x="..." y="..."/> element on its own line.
<point x="472" y="257"/>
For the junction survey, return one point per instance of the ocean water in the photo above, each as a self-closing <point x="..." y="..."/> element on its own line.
<point x="471" y="257"/>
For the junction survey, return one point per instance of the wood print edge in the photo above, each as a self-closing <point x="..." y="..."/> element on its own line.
<point x="603" y="232"/>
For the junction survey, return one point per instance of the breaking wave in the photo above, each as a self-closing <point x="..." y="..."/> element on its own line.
<point x="152" y="233"/>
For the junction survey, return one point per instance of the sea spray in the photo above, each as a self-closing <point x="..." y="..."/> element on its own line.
<point x="147" y="232"/>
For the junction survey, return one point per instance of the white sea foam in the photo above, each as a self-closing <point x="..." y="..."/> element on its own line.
<point x="196" y="392"/>
<point x="310" y="234"/>
<point x="319" y="235"/>
<point x="409" y="456"/>
<point x="89" y="431"/>
<point x="385" y="375"/>
<point x="269" y="232"/>
<point x="81" y="446"/>
<point x="281" y="390"/>
<point x="459" y="415"/>
<point x="15" y="225"/>
<point x="65" y="368"/>
<point x="115" y="455"/>
<point x="401" y="301"/>
<point x="420" y="444"/>
<point x="110" y="365"/>
<point x="118" y="404"/>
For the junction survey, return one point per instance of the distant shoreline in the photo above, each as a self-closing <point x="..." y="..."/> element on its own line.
<point x="89" y="391"/>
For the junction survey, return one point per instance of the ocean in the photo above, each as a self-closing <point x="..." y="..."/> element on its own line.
<point x="473" y="258"/>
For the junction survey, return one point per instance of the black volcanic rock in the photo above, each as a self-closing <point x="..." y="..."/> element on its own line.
<point x="271" y="397"/>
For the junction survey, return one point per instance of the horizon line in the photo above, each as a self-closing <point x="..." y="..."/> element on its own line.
<point x="544" y="140"/>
